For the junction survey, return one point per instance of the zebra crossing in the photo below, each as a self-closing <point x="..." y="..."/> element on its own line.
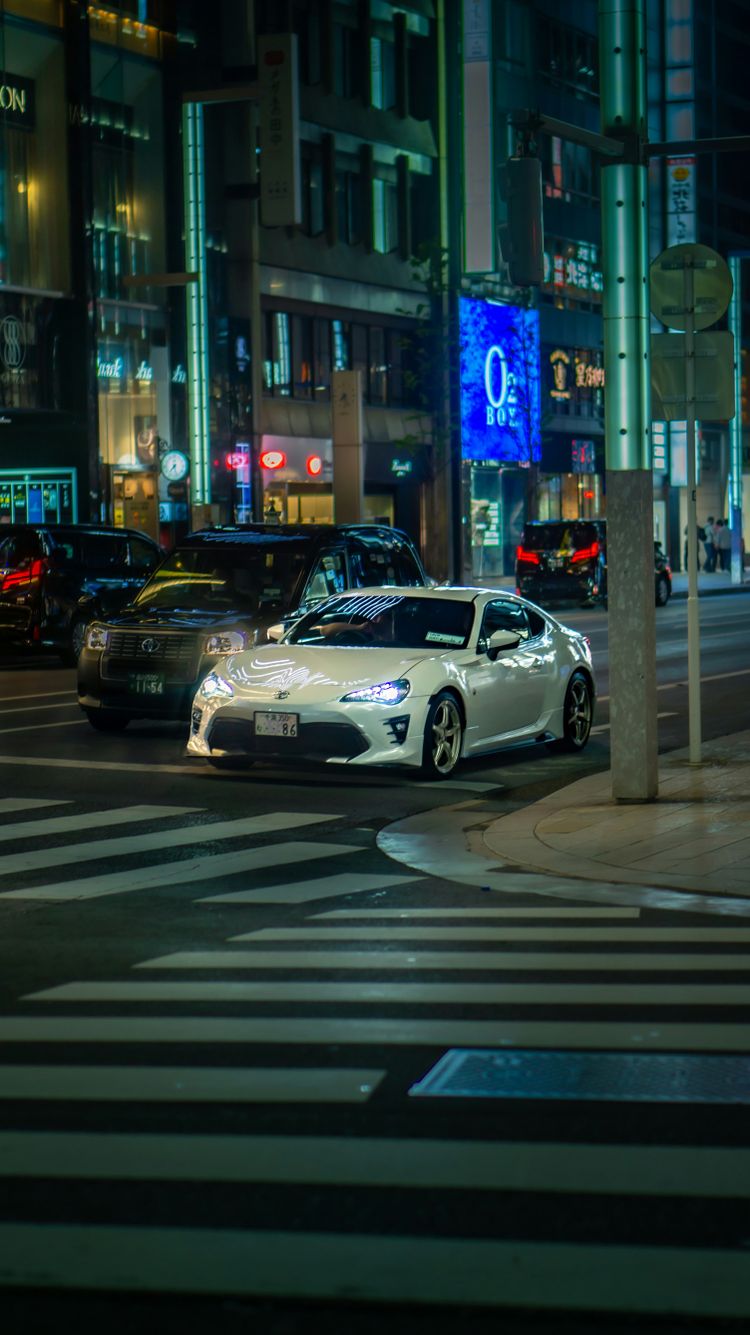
<point x="349" y="1007"/>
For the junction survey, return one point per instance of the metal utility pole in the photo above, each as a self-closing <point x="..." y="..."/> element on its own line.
<point x="630" y="549"/>
<point x="735" y="471"/>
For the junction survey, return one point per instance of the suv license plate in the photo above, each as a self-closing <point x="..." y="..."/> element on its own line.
<point x="146" y="683"/>
<point x="276" y="725"/>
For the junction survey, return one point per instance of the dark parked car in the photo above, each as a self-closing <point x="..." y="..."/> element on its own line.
<point x="564" y="560"/>
<point x="217" y="593"/>
<point x="55" y="578"/>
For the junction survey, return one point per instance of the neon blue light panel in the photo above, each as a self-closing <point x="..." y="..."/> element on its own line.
<point x="500" y="383"/>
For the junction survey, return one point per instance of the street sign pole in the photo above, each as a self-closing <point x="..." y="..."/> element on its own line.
<point x="735" y="470"/>
<point x="694" y="627"/>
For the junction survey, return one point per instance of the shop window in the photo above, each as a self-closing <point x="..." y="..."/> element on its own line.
<point x="322" y="359"/>
<point x="566" y="57"/>
<point x="341" y="331"/>
<point x="277" y="363"/>
<point x="34" y="242"/>
<point x="359" y="360"/>
<point x="302" y="367"/>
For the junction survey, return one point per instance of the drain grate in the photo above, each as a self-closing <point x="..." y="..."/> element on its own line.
<point x="477" y="1073"/>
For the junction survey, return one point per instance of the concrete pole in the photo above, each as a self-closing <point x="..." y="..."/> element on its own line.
<point x="630" y="533"/>
<point x="735" y="426"/>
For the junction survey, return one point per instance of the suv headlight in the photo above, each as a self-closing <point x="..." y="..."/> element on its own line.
<point x="214" y="685"/>
<point x="97" y="637"/>
<point x="225" y="642"/>
<point x="385" y="693"/>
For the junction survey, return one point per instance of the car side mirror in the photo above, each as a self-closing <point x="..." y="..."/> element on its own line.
<point x="502" y="639"/>
<point x="274" y="633"/>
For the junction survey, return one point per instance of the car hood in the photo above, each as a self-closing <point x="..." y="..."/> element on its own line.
<point x="310" y="675"/>
<point x="136" y="618"/>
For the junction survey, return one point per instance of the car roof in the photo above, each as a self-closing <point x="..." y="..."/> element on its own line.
<point x="313" y="533"/>
<point x="107" y="529"/>
<point x="454" y="592"/>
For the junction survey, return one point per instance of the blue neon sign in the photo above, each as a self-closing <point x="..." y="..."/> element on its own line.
<point x="500" y="384"/>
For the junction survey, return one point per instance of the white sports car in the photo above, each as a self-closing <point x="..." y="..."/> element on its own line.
<point x="419" y="677"/>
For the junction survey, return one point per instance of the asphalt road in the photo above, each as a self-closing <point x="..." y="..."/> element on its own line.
<point x="208" y="1112"/>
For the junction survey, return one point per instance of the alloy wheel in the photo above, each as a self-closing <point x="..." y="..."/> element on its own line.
<point x="578" y="713"/>
<point x="446" y="736"/>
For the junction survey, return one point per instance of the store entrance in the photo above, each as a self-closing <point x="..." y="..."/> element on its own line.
<point x="136" y="504"/>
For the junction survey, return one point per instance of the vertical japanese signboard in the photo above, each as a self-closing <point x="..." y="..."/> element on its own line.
<point x="680" y="200"/>
<point x="479" y="234"/>
<point x="280" y="187"/>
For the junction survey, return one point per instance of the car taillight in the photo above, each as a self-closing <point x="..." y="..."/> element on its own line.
<point x="586" y="553"/>
<point x="522" y="554"/>
<point x="17" y="578"/>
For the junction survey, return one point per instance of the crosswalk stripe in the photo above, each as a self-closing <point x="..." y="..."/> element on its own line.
<point x="90" y="820"/>
<point x="36" y="695"/>
<point x="270" y="823"/>
<point x="29" y="709"/>
<point x="404" y="1031"/>
<point x="411" y="994"/>
<point x="470" y="911"/>
<point x="35" y="727"/>
<point x="448" y="1270"/>
<point x="186" y="872"/>
<point x="185" y="1084"/>
<point x="301" y="892"/>
<point x="8" y="805"/>
<point x="377" y="961"/>
<point x="118" y="766"/>
<point x="697" y="936"/>
<point x="630" y="1170"/>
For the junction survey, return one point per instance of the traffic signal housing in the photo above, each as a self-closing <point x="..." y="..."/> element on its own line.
<point x="521" y="236"/>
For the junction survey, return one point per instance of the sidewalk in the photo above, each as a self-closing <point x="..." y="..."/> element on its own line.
<point x="718" y="582"/>
<point x="695" y="837"/>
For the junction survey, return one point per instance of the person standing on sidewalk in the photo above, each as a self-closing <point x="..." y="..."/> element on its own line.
<point x="724" y="544"/>
<point x="709" y="544"/>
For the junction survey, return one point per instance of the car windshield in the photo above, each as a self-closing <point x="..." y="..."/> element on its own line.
<point x="387" y="621"/>
<point x="559" y="537"/>
<point x="246" y="576"/>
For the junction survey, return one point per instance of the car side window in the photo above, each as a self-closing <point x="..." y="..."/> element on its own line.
<point x="373" y="564"/>
<point x="104" y="549"/>
<point x="407" y="570"/>
<point x="328" y="576"/>
<point x="8" y="554"/>
<point x="503" y="615"/>
<point x="142" y="555"/>
<point x="537" y="624"/>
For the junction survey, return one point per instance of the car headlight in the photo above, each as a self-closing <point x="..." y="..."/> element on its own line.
<point x="97" y="637"/>
<point x="214" y="685"/>
<point x="225" y="642"/>
<point x="385" y="693"/>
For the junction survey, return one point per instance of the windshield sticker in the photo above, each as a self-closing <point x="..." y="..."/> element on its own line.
<point x="438" y="637"/>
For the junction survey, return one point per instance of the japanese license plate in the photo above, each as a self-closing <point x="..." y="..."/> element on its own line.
<point x="146" y="683"/>
<point x="276" y="725"/>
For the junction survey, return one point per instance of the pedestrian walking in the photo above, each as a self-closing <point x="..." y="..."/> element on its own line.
<point x="724" y="544"/>
<point x="709" y="545"/>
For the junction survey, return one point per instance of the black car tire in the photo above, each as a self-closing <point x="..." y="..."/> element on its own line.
<point x="107" y="720"/>
<point x="578" y="715"/>
<point x="443" y="737"/>
<point x="663" y="591"/>
<point x="236" y="763"/>
<point x="71" y="652"/>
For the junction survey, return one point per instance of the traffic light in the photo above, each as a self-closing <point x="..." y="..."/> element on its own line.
<point x="521" y="236"/>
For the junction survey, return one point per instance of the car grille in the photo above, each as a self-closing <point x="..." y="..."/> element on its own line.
<point x="175" y="655"/>
<point x="317" y="740"/>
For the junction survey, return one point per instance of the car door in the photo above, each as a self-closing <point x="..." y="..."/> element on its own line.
<point x="508" y="693"/>
<point x="143" y="558"/>
<point x="21" y="572"/>
<point x="107" y="577"/>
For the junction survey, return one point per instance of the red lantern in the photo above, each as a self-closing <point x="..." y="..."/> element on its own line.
<point x="314" y="465"/>
<point x="272" y="459"/>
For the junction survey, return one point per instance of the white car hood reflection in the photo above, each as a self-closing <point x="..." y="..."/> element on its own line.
<point x="313" y="675"/>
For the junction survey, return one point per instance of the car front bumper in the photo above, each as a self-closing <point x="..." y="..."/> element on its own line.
<point x="99" y="687"/>
<point x="352" y="734"/>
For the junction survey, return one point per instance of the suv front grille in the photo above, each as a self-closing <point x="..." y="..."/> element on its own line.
<point x="174" y="654"/>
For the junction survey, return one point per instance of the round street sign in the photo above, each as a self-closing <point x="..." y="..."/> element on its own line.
<point x="712" y="286"/>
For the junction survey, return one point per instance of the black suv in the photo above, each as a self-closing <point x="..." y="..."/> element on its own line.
<point x="565" y="560"/>
<point x="55" y="577"/>
<point x="217" y="593"/>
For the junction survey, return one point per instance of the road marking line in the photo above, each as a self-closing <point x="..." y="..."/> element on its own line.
<point x="605" y="727"/>
<point x="480" y="913"/>
<point x="184" y="873"/>
<point x="492" y="961"/>
<point x="411" y="994"/>
<point x="12" y="804"/>
<point x="470" y="785"/>
<point x="447" y="935"/>
<point x="301" y="892"/>
<point x="185" y="1084"/>
<point x="85" y="821"/>
<point x="36" y="695"/>
<point x="183" y="837"/>
<point x="404" y="1031"/>
<point x="38" y="727"/>
<point x="121" y="767"/>
<point x="28" y="709"/>
<point x="673" y="685"/>
<point x="449" y="1270"/>
<point x="628" y="1170"/>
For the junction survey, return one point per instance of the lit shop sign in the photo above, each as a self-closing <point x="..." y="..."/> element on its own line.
<point x="560" y="363"/>
<point x="573" y="267"/>
<point x="401" y="467"/>
<point x="179" y="375"/>
<point x="583" y="456"/>
<point x="17" y="101"/>
<point x="144" y="373"/>
<point x="581" y="371"/>
<point x="113" y="369"/>
<point x="500" y="393"/>
<point x="659" y="447"/>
